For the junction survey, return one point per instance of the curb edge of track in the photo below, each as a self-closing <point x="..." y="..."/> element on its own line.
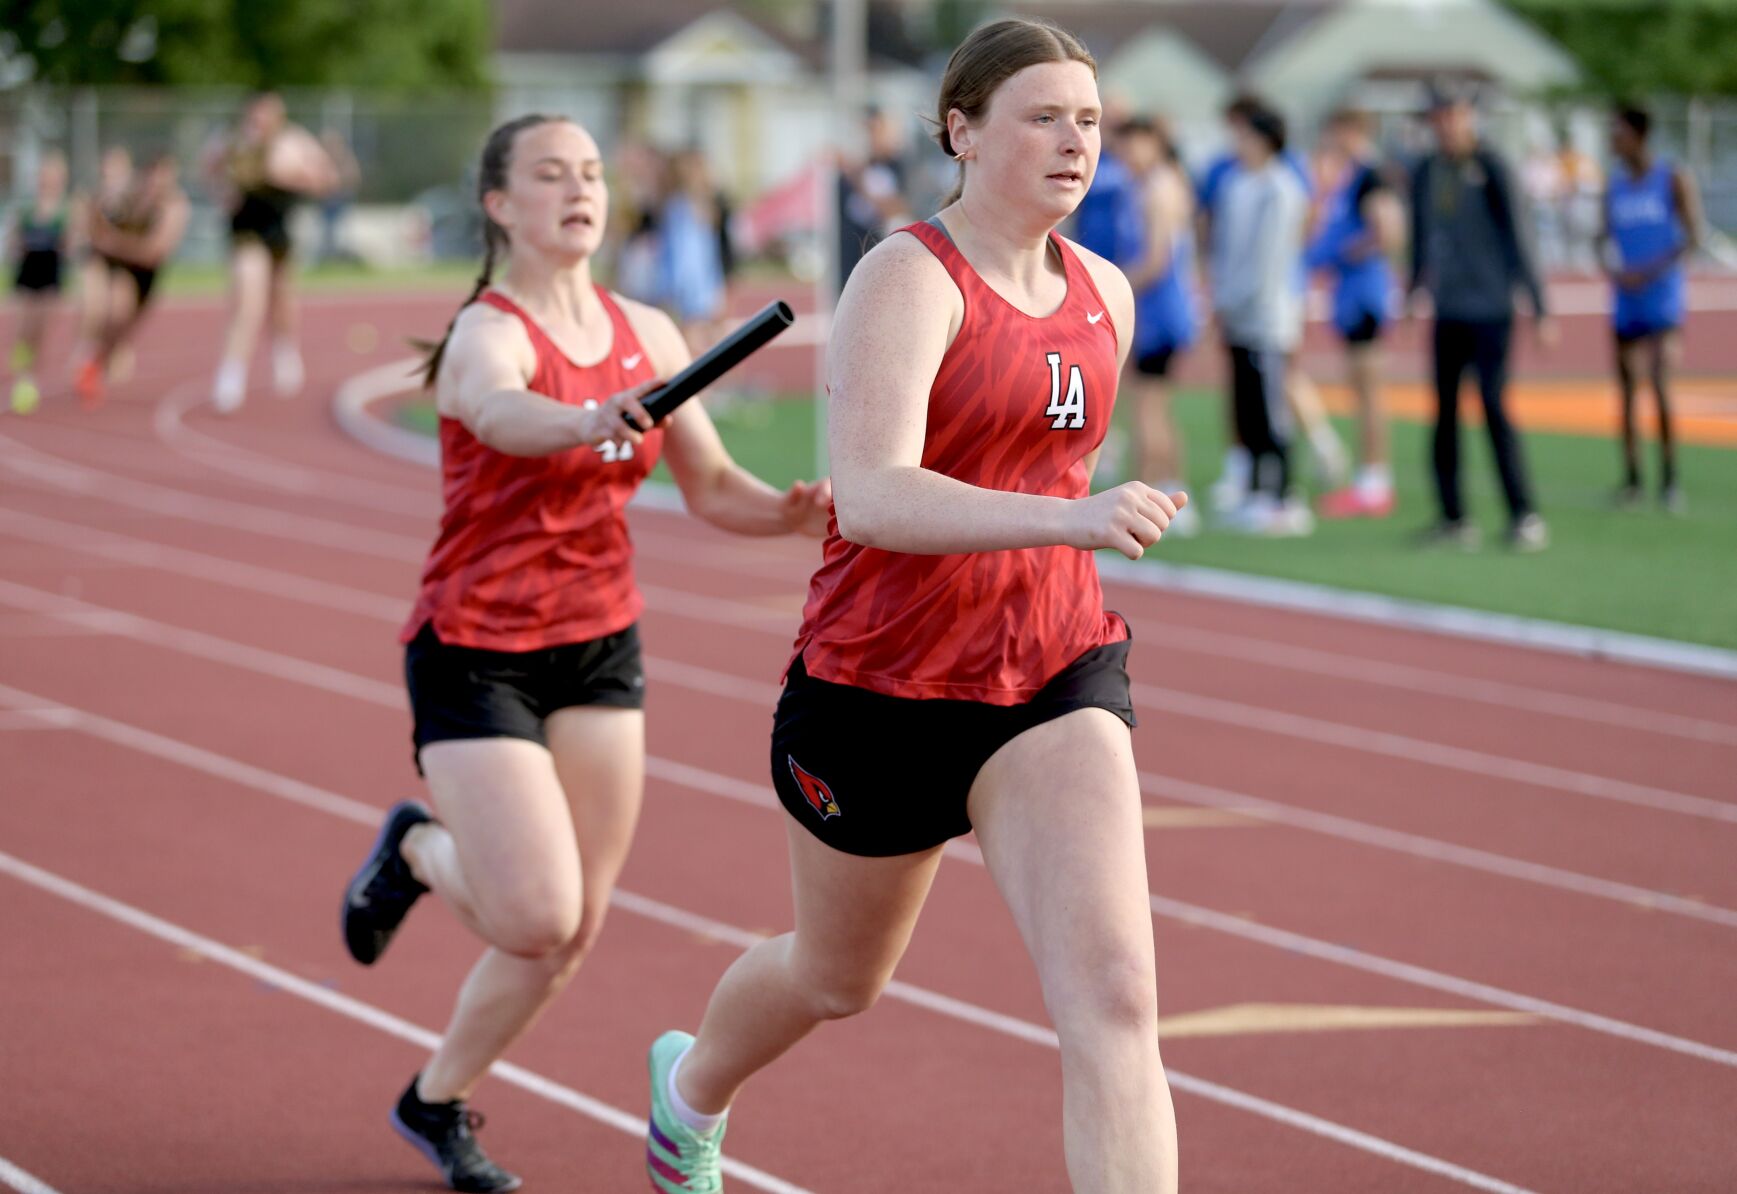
<point x="353" y="403"/>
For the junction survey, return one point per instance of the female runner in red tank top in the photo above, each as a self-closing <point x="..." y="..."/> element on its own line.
<point x="522" y="653"/>
<point x="956" y="670"/>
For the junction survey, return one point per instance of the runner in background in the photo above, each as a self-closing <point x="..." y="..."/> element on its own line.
<point x="132" y="240"/>
<point x="263" y="168"/>
<point x="114" y="184"/>
<point x="39" y="237"/>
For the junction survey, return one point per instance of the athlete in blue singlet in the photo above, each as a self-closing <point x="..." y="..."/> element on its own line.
<point x="1652" y="218"/>
<point x="1361" y="226"/>
<point x="1166" y="322"/>
<point x="1108" y="220"/>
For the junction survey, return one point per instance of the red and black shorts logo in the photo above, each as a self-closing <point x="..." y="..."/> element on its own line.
<point x="814" y="789"/>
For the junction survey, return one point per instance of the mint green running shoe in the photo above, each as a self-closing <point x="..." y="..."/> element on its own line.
<point x="679" y="1159"/>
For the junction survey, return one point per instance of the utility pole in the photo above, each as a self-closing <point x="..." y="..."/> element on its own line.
<point x="848" y="61"/>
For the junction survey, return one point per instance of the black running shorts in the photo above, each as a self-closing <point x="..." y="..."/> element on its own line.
<point x="467" y="692"/>
<point x="878" y="775"/>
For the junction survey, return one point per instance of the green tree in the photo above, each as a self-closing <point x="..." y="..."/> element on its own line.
<point x="391" y="44"/>
<point x="1657" y="47"/>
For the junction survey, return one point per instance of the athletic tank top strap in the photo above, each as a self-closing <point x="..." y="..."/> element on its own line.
<point x="624" y="358"/>
<point x="1081" y="291"/>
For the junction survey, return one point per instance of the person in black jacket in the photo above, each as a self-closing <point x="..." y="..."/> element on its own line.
<point x="1467" y="251"/>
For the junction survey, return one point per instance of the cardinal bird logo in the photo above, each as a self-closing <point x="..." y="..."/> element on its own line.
<point x="819" y="796"/>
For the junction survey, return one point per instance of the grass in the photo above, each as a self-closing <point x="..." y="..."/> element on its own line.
<point x="336" y="277"/>
<point x="1644" y="572"/>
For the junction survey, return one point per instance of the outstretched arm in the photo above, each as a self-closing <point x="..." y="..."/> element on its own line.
<point x="714" y="487"/>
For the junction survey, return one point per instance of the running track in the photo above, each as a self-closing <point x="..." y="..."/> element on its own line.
<point x="1505" y="876"/>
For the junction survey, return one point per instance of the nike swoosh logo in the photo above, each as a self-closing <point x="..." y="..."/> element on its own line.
<point x="1094" y="318"/>
<point x="633" y="360"/>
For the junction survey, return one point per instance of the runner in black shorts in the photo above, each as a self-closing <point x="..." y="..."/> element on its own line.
<point x="522" y="651"/>
<point x="841" y="731"/>
<point x="956" y="670"/>
<point x="468" y="692"/>
<point x="265" y="166"/>
<point x="39" y="239"/>
<point x="133" y="240"/>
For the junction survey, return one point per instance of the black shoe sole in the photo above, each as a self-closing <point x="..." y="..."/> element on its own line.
<point x="422" y="1146"/>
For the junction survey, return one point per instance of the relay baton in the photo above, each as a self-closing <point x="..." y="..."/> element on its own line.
<point x="717" y="360"/>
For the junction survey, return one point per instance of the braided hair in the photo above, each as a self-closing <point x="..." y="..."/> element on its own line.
<point x="497" y="158"/>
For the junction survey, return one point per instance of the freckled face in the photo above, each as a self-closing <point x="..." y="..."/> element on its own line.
<point x="1037" y="144"/>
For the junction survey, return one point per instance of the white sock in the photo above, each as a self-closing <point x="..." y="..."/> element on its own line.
<point x="286" y="368"/>
<point x="696" y="1120"/>
<point x="1375" y="480"/>
<point x="231" y="385"/>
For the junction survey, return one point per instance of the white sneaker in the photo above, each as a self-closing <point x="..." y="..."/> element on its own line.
<point x="1252" y="516"/>
<point x="1529" y="534"/>
<point x="1291" y="519"/>
<point x="230" y="387"/>
<point x="287" y="374"/>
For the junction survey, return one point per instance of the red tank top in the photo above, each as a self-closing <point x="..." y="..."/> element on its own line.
<point x="533" y="551"/>
<point x="1017" y="404"/>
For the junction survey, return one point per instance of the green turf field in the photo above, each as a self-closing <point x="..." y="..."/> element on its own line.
<point x="1644" y="572"/>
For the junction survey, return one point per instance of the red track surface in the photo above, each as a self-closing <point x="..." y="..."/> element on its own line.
<point x="220" y="623"/>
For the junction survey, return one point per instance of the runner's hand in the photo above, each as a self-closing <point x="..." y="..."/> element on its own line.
<point x="603" y="423"/>
<point x="808" y="507"/>
<point x="1129" y="518"/>
<point x="1547" y="333"/>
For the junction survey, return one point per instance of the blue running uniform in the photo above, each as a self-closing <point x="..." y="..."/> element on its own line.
<point x="1363" y="286"/>
<point x="1165" y="318"/>
<point x="1108" y="219"/>
<point x="1647" y="228"/>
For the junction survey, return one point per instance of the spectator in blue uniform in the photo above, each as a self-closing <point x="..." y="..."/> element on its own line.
<point x="1652" y="217"/>
<point x="1361" y="227"/>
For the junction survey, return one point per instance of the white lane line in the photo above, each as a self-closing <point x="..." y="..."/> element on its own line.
<point x="348" y="1007"/>
<point x="699" y="779"/>
<point x="351" y="407"/>
<point x="1235" y="713"/>
<point x="142" y="553"/>
<point x="1432" y="754"/>
<point x="169" y="422"/>
<point x="1449" y="621"/>
<point x="1500" y="694"/>
<point x="1443" y="684"/>
<point x="25" y="1183"/>
<point x="169" y="502"/>
<point x="1045" y="1037"/>
<point x="667" y="914"/>
<point x="47" y="718"/>
<point x="764" y="695"/>
<point x="1274" y="721"/>
<point x="1433" y="849"/>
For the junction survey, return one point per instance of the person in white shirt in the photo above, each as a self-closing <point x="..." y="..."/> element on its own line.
<point x="1256" y="250"/>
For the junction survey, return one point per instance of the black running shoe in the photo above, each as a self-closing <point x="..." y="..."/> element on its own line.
<point x="382" y="891"/>
<point x="445" y="1133"/>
